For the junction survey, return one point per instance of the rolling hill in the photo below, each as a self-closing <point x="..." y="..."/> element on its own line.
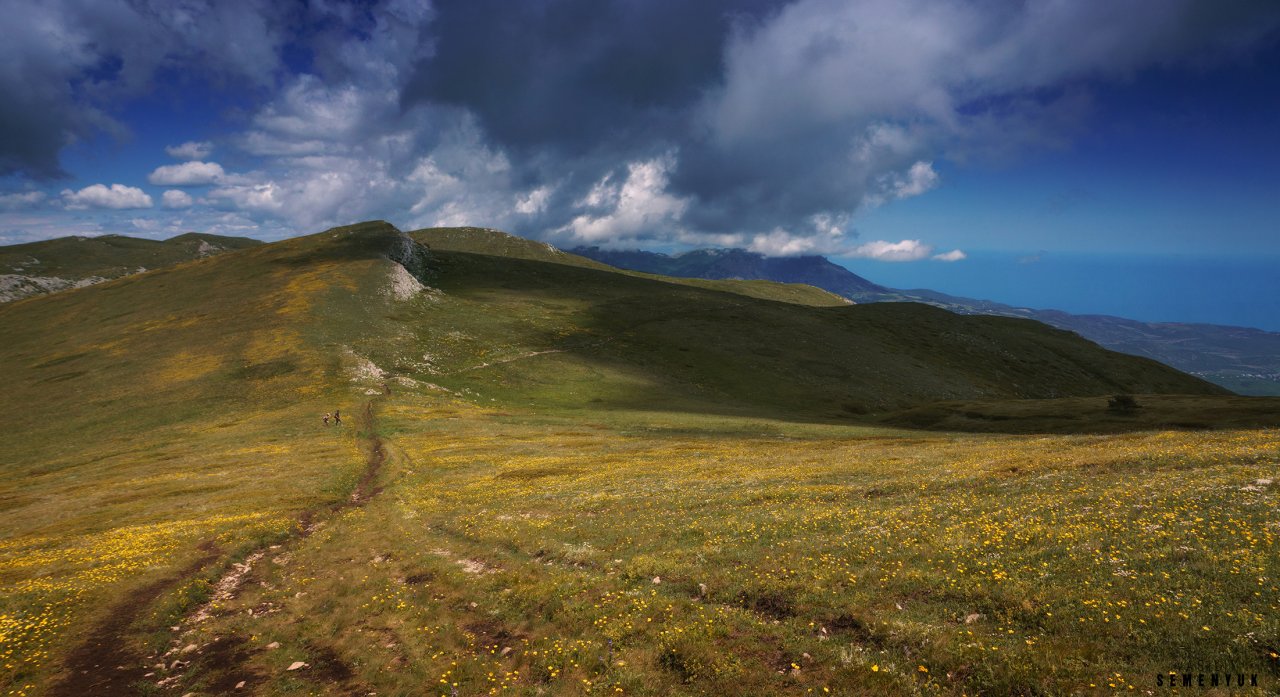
<point x="556" y="477"/>
<point x="621" y="339"/>
<point x="1238" y="358"/>
<point x="36" y="268"/>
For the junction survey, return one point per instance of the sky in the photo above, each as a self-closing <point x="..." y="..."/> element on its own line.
<point x="916" y="132"/>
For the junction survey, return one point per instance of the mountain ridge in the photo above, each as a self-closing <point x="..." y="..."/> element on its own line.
<point x="1243" y="359"/>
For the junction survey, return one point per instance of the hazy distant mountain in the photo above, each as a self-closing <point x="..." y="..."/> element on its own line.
<point x="1238" y="358"/>
<point x="724" y="264"/>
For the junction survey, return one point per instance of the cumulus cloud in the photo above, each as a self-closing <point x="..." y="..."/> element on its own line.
<point x="639" y="204"/>
<point x="953" y="255"/>
<point x="187" y="174"/>
<point x="772" y="124"/>
<point x="780" y="243"/>
<point x="784" y="111"/>
<point x="881" y="250"/>
<point x="917" y="180"/>
<point x="116" y="196"/>
<point x="534" y="201"/>
<point x="21" y="200"/>
<point x="173" y="198"/>
<point x="190" y="150"/>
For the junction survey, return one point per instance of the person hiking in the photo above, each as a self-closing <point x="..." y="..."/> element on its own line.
<point x="337" y="417"/>
<point x="326" y="418"/>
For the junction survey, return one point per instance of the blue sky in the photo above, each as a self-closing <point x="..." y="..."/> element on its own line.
<point x="891" y="134"/>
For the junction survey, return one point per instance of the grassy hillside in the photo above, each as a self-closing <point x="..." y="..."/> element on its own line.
<point x="560" y="333"/>
<point x="40" y="267"/>
<point x="1243" y="360"/>
<point x="560" y="479"/>
<point x="158" y="411"/>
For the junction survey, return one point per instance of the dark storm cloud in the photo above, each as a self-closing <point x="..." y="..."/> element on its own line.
<point x="570" y="72"/>
<point x="64" y="64"/>
<point x="791" y="115"/>
<point x="767" y="123"/>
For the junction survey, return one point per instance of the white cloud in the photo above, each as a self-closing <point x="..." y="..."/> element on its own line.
<point x="190" y="150"/>
<point x="953" y="255"/>
<point x="603" y="193"/>
<point x="534" y="201"/>
<point x="187" y="174"/>
<point x="117" y="196"/>
<point x="917" y="179"/>
<point x="174" y="198"/>
<point x="881" y="250"/>
<point x="265" y="197"/>
<point x="640" y="205"/>
<point x="780" y="243"/>
<point x="18" y="201"/>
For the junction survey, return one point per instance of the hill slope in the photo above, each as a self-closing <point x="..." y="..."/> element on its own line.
<point x="574" y="335"/>
<point x="162" y="421"/>
<point x="169" y="436"/>
<point x="1240" y="359"/>
<point x="36" y="268"/>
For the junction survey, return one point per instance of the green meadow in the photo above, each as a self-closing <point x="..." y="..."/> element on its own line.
<point x="555" y="478"/>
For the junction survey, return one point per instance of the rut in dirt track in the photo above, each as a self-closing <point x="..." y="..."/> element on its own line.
<point x="107" y="664"/>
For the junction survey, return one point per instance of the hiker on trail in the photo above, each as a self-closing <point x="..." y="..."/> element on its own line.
<point x="337" y="417"/>
<point x="326" y="418"/>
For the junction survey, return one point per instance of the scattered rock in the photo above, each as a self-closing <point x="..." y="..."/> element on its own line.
<point x="297" y="665"/>
<point x="226" y="587"/>
<point x="473" y="566"/>
<point x="505" y="650"/>
<point x="657" y="580"/>
<point x="273" y="645"/>
<point x="972" y="617"/>
<point x="189" y="648"/>
<point x="240" y="685"/>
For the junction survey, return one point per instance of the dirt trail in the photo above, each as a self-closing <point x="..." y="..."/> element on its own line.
<point x="108" y="664"/>
<point x="103" y="664"/>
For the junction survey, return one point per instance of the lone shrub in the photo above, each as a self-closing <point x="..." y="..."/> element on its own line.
<point x="1122" y="404"/>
